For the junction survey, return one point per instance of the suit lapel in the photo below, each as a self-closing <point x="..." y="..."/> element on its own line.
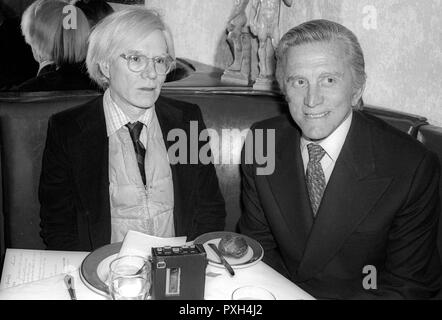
<point x="289" y="189"/>
<point x="169" y="118"/>
<point x="92" y="170"/>
<point x="351" y="193"/>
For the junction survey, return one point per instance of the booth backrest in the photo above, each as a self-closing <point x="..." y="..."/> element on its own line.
<point x="232" y="114"/>
<point x="405" y="122"/>
<point x="23" y="125"/>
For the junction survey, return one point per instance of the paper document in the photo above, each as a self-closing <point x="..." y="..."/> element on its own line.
<point x="140" y="244"/>
<point x="22" y="265"/>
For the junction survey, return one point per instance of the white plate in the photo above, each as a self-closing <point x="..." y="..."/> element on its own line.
<point x="254" y="251"/>
<point x="95" y="267"/>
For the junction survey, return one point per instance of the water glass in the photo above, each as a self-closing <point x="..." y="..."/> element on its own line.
<point x="129" y="278"/>
<point x="252" y="293"/>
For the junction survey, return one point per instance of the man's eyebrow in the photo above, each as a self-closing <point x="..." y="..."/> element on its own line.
<point x="292" y="77"/>
<point x="141" y="53"/>
<point x="335" y="74"/>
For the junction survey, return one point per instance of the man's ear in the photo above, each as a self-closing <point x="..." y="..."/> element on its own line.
<point x="104" y="68"/>
<point x="357" y="94"/>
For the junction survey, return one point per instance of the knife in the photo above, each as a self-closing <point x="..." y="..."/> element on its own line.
<point x="69" y="281"/>
<point x="225" y="263"/>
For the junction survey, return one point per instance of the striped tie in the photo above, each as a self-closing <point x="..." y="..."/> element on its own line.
<point x="140" y="151"/>
<point x="315" y="175"/>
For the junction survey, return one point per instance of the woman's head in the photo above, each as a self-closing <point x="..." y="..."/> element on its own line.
<point x="120" y="44"/>
<point x="47" y="28"/>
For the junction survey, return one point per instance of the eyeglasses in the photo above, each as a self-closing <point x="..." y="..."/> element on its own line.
<point x="138" y="63"/>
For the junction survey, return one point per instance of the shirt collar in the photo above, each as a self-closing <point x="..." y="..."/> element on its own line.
<point x="334" y="142"/>
<point x="44" y="64"/>
<point x="116" y="118"/>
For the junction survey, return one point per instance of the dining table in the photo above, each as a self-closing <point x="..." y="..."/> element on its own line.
<point x="39" y="275"/>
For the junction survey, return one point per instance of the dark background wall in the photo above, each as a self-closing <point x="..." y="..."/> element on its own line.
<point x="14" y="8"/>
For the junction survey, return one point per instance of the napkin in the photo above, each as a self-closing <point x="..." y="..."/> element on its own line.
<point x="52" y="288"/>
<point x="140" y="244"/>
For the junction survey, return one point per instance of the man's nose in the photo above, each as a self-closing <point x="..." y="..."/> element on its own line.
<point x="314" y="96"/>
<point x="149" y="71"/>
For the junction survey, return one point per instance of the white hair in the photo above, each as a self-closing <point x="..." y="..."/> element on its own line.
<point x="116" y="32"/>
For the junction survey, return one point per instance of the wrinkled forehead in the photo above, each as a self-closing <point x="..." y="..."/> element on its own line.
<point x="336" y="47"/>
<point x="318" y="53"/>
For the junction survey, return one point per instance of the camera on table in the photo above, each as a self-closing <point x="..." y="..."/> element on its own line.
<point x="178" y="272"/>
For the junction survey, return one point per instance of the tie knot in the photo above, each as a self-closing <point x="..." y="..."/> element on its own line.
<point x="135" y="129"/>
<point x="315" y="152"/>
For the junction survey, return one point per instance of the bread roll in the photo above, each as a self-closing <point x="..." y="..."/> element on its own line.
<point x="233" y="246"/>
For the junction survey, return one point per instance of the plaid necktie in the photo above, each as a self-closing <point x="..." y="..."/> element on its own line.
<point x="140" y="151"/>
<point x="315" y="175"/>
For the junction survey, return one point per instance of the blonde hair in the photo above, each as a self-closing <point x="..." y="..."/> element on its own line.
<point x="116" y="32"/>
<point x="42" y="27"/>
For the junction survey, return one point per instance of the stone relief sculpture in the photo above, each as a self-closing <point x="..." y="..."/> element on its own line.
<point x="239" y="40"/>
<point x="264" y="24"/>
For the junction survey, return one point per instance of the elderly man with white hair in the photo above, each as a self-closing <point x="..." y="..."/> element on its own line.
<point x="106" y="167"/>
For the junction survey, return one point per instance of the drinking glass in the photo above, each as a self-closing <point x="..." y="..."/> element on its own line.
<point x="252" y="293"/>
<point x="129" y="278"/>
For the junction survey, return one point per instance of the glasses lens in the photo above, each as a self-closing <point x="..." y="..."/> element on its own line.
<point x="162" y="64"/>
<point x="137" y="63"/>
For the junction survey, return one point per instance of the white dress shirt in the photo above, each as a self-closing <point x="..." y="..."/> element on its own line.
<point x="332" y="146"/>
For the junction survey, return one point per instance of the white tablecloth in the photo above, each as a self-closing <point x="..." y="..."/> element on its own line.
<point x="219" y="285"/>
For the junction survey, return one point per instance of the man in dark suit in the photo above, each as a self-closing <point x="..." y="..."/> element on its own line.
<point x="106" y="166"/>
<point x="351" y="210"/>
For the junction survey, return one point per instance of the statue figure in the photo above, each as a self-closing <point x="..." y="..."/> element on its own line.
<point x="264" y="24"/>
<point x="239" y="41"/>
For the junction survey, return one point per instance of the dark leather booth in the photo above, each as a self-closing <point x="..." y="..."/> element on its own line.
<point x="23" y="125"/>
